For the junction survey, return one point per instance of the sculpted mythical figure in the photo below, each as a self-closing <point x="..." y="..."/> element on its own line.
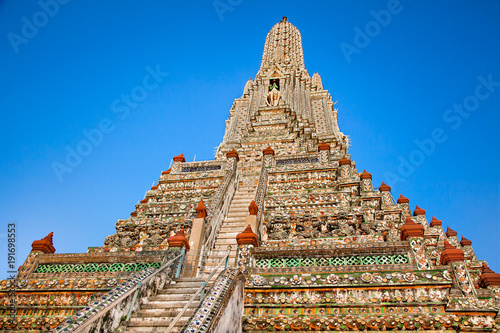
<point x="273" y="96"/>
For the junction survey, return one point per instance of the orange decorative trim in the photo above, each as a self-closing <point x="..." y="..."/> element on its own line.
<point x="44" y="245"/>
<point x="179" y="158"/>
<point x="253" y="208"/>
<point x="133" y="214"/>
<point x="143" y="201"/>
<point x="323" y="146"/>
<point x="247" y="237"/>
<point x="411" y="229"/>
<point x="268" y="151"/>
<point x="155" y="187"/>
<point x="418" y="211"/>
<point x="465" y="242"/>
<point x="201" y="210"/>
<point x="345" y="161"/>
<point x="233" y="153"/>
<point x="450" y="232"/>
<point x="365" y="175"/>
<point x="178" y="240"/>
<point x="450" y="254"/>
<point x="435" y="222"/>
<point x="402" y="199"/>
<point x="384" y="187"/>
<point x="166" y="172"/>
<point x="488" y="278"/>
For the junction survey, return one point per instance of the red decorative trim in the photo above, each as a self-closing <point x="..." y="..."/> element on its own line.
<point x="233" y="153"/>
<point x="44" y="245"/>
<point x="247" y="237"/>
<point x="435" y="222"/>
<point x="488" y="278"/>
<point x="411" y="229"/>
<point x="402" y="199"/>
<point x="450" y="254"/>
<point x="179" y="158"/>
<point x="323" y="146"/>
<point x="465" y="242"/>
<point x="345" y="161"/>
<point x="365" y="175"/>
<point x="201" y="210"/>
<point x="450" y="232"/>
<point x="253" y="208"/>
<point x="384" y="188"/>
<point x="418" y="211"/>
<point x="268" y="151"/>
<point x="178" y="240"/>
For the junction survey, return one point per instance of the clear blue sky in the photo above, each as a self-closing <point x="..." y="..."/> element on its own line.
<point x="398" y="84"/>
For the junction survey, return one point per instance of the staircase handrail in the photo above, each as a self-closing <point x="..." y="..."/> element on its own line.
<point x="117" y="301"/>
<point x="260" y="193"/>
<point x="200" y="290"/>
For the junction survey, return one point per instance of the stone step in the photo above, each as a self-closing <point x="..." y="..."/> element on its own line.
<point x="238" y="209"/>
<point x="236" y="228"/>
<point x="189" y="279"/>
<point x="157" y="300"/>
<point x="192" y="284"/>
<point x="155" y="322"/>
<point x="171" y="312"/>
<point x="234" y="217"/>
<point x="176" y="290"/>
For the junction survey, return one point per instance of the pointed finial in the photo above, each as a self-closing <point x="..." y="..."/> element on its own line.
<point x="253" y="208"/>
<point x="403" y="199"/>
<point x="201" y="210"/>
<point x="44" y="245"/>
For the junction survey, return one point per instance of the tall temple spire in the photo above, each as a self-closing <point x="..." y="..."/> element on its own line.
<point x="283" y="46"/>
<point x="299" y="112"/>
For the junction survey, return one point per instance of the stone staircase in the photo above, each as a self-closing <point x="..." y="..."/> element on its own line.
<point x="157" y="312"/>
<point x="234" y="224"/>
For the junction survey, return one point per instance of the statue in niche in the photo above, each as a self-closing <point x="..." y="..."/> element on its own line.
<point x="274" y="94"/>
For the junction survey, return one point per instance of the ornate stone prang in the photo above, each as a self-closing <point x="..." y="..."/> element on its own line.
<point x="402" y="199"/>
<point x="233" y="153"/>
<point x="323" y="146"/>
<point x="201" y="210"/>
<point x="465" y="242"/>
<point x="253" y="208"/>
<point x="418" y="211"/>
<point x="345" y="161"/>
<point x="178" y="240"/>
<point x="411" y="229"/>
<point x="450" y="232"/>
<point x="247" y="237"/>
<point x="450" y="254"/>
<point x="44" y="245"/>
<point x="488" y="278"/>
<point x="435" y="222"/>
<point x="365" y="175"/>
<point x="268" y="151"/>
<point x="384" y="187"/>
<point x="179" y="158"/>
